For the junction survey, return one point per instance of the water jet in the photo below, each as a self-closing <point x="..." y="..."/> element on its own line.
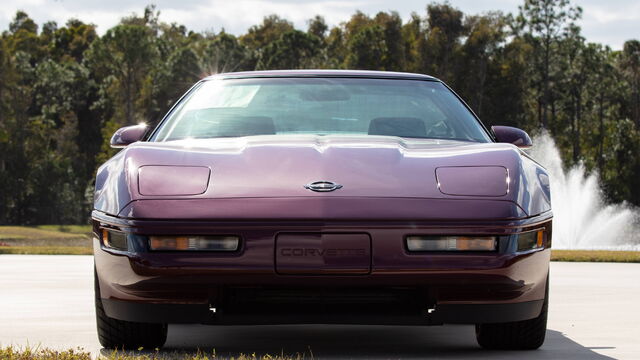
<point x="583" y="219"/>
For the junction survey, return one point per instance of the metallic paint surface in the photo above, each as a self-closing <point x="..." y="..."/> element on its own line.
<point x="127" y="135"/>
<point x="167" y="277"/>
<point x="511" y="135"/>
<point x="473" y="180"/>
<point x="323" y="73"/>
<point x="390" y="191"/>
<point x="172" y="180"/>
<point x="277" y="167"/>
<point x="323" y="254"/>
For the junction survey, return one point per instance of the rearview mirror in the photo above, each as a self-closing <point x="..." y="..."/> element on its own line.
<point x="511" y="135"/>
<point x="128" y="135"/>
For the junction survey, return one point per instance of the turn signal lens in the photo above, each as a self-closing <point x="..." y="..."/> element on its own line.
<point x="194" y="243"/>
<point x="540" y="239"/>
<point x="451" y="243"/>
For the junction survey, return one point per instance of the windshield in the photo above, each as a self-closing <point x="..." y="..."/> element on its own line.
<point x="320" y="106"/>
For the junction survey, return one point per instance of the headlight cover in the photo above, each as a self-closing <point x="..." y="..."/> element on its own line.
<point x="490" y="181"/>
<point x="156" y="180"/>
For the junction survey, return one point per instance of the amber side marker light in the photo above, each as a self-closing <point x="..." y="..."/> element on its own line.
<point x="194" y="243"/>
<point x="540" y="239"/>
<point x="451" y="243"/>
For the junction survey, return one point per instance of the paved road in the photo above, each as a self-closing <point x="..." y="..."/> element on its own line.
<point x="594" y="314"/>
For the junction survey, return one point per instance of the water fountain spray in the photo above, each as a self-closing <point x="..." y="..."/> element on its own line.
<point x="582" y="217"/>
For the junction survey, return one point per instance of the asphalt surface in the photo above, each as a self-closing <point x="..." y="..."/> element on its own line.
<point x="594" y="314"/>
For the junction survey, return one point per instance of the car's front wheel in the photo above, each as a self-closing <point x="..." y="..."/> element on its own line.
<point x="518" y="335"/>
<point x="119" y="334"/>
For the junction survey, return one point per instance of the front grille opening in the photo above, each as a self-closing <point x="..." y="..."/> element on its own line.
<point x="318" y="301"/>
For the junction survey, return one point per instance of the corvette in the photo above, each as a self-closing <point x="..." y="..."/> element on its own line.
<point x="321" y="252"/>
<point x="321" y="197"/>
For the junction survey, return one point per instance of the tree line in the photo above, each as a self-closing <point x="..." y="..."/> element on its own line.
<point x="64" y="89"/>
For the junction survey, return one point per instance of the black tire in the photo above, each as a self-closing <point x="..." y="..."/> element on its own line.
<point x="518" y="335"/>
<point x="126" y="335"/>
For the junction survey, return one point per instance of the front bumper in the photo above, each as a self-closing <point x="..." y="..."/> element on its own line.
<point x="443" y="314"/>
<point x="244" y="287"/>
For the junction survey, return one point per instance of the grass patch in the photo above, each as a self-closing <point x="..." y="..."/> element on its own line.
<point x="595" y="256"/>
<point x="46" y="250"/>
<point x="11" y="353"/>
<point x="70" y="229"/>
<point x="46" y="235"/>
<point x="45" y="231"/>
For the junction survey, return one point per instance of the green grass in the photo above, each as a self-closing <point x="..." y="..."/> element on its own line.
<point x="46" y="235"/>
<point x="46" y="250"/>
<point x="28" y="232"/>
<point x="71" y="229"/>
<point x="595" y="256"/>
<point x="45" y="231"/>
<point x="12" y="353"/>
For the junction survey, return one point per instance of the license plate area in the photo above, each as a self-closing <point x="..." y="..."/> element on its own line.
<point x="323" y="254"/>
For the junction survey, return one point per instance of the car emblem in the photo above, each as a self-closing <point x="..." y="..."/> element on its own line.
<point x="322" y="186"/>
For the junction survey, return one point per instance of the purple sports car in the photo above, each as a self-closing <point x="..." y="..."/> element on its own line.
<point x="330" y="197"/>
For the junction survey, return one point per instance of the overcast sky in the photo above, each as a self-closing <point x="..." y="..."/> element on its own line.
<point x="605" y="21"/>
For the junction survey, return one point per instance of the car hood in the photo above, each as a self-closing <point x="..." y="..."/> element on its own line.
<point x="281" y="166"/>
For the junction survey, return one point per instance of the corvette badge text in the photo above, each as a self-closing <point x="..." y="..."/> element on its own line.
<point x="321" y="252"/>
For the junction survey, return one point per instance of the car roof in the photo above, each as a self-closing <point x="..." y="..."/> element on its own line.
<point x="322" y="73"/>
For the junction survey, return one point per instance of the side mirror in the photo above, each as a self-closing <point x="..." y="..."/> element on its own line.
<point x="511" y="135"/>
<point x="128" y="135"/>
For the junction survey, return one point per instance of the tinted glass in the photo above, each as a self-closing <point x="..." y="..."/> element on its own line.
<point x="321" y="106"/>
